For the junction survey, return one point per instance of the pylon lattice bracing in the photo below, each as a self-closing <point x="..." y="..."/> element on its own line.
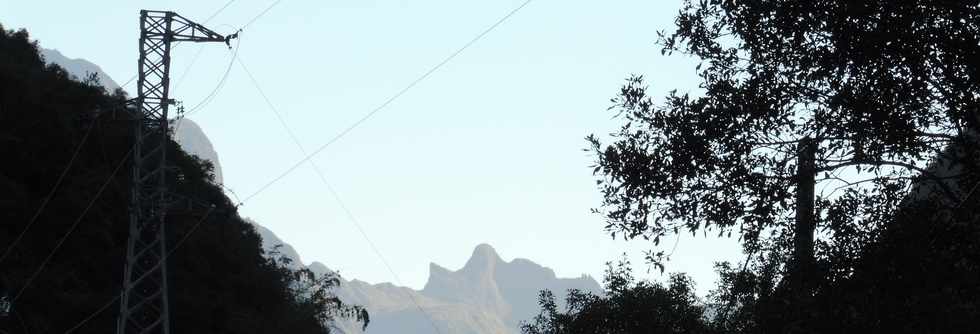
<point x="144" y="305"/>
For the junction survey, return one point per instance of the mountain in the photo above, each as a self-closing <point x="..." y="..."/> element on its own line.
<point x="488" y="295"/>
<point x="192" y="139"/>
<point x="80" y="68"/>
<point x="188" y="134"/>
<point x="270" y="243"/>
<point x="509" y="289"/>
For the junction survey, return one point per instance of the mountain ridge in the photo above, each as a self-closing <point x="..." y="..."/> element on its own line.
<point x="487" y="295"/>
<point x="78" y="67"/>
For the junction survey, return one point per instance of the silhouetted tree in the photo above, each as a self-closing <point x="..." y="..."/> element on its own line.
<point x="628" y="306"/>
<point x="881" y="87"/>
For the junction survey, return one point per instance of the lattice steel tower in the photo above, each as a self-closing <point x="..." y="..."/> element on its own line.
<point x="144" y="304"/>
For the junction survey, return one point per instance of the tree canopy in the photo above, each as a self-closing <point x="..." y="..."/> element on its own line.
<point x="627" y="306"/>
<point x="881" y="87"/>
<point x="887" y="95"/>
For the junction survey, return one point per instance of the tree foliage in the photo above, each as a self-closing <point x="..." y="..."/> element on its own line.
<point x="889" y="91"/>
<point x="881" y="86"/>
<point x="628" y="306"/>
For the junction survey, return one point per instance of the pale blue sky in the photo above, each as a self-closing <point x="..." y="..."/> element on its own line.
<point x="486" y="150"/>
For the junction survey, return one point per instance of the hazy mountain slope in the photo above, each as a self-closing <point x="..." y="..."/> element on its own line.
<point x="192" y="139"/>
<point x="270" y="241"/>
<point x="393" y="310"/>
<point x="80" y="68"/>
<point x="188" y="134"/>
<point x="487" y="295"/>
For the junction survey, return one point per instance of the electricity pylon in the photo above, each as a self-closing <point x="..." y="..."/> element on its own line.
<point x="144" y="305"/>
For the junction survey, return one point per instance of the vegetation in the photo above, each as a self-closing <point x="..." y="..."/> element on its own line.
<point x="880" y="87"/>
<point x="880" y="90"/>
<point x="221" y="281"/>
<point x="628" y="306"/>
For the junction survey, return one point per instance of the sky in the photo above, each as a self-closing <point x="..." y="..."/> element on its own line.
<point x="487" y="149"/>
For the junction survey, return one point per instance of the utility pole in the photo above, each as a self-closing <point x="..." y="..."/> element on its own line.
<point x="803" y="230"/>
<point x="144" y="305"/>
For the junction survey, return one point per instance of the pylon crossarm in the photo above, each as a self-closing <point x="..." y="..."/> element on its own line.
<point x="187" y="30"/>
<point x="182" y="29"/>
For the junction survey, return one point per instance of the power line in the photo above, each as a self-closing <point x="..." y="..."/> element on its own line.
<point x="47" y="198"/>
<point x="218" y="11"/>
<point x="194" y="228"/>
<point x="335" y="138"/>
<point x="191" y="231"/>
<point x="82" y="323"/>
<point x="334" y="193"/>
<point x="197" y="55"/>
<point x="119" y="295"/>
<point x="261" y="14"/>
<point x="183" y="75"/>
<point x="221" y="83"/>
<point x="176" y="44"/>
<point x="388" y="101"/>
<point x="128" y="81"/>
<point x="74" y="225"/>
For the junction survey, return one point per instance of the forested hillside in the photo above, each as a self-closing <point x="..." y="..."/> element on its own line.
<point x="67" y="266"/>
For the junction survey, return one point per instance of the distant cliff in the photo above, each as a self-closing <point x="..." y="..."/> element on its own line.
<point x="80" y="68"/>
<point x="188" y="134"/>
<point x="192" y="139"/>
<point x="487" y="295"/>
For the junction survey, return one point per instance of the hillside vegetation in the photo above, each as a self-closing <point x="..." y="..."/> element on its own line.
<point x="221" y="280"/>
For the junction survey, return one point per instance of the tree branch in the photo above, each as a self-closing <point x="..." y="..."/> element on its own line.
<point x="923" y="172"/>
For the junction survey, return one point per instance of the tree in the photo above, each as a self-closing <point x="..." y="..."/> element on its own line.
<point x="877" y="86"/>
<point x="314" y="294"/>
<point x="628" y="306"/>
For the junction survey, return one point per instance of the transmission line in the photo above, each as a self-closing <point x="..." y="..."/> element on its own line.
<point x="178" y="43"/>
<point x="119" y="295"/>
<point x="333" y="192"/>
<point x="221" y="83"/>
<point x="183" y="74"/>
<point x="261" y="14"/>
<point x="54" y="188"/>
<point x="210" y="97"/>
<point x="218" y="11"/>
<point x="337" y="137"/>
<point x="388" y="101"/>
<point x="74" y="225"/>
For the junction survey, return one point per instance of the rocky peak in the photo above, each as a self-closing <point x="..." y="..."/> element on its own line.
<point x="484" y="261"/>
